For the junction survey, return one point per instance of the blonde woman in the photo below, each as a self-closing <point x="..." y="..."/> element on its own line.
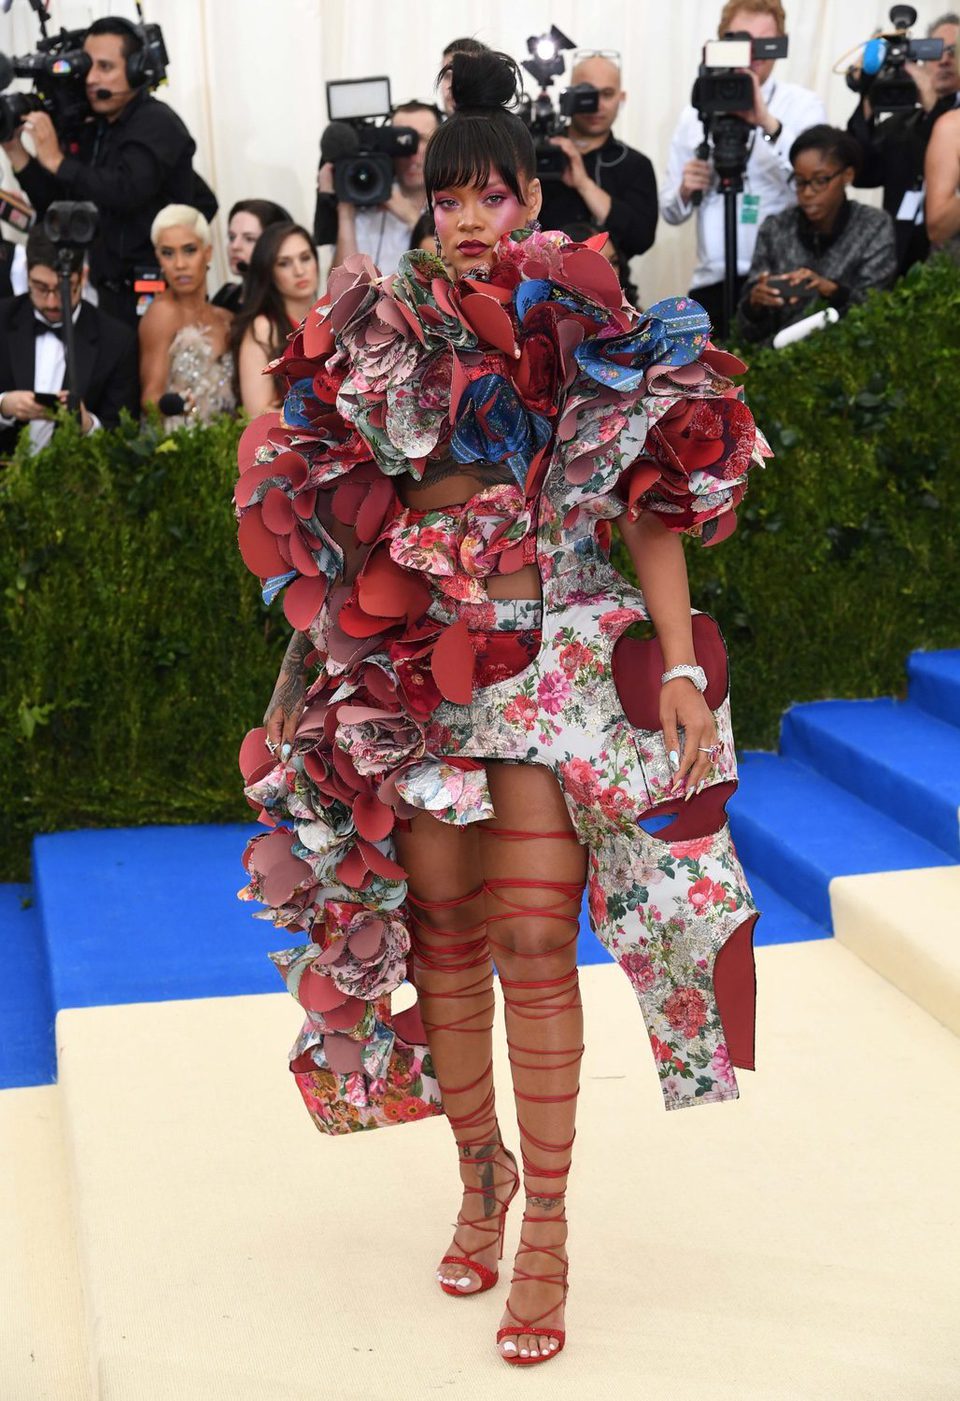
<point x="184" y="339"/>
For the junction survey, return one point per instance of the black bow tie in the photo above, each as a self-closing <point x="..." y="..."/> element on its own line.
<point x="43" y="328"/>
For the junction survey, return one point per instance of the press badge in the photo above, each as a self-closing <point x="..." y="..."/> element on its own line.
<point x="750" y="209"/>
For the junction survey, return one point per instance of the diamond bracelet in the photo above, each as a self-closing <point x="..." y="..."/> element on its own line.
<point x="696" y="674"/>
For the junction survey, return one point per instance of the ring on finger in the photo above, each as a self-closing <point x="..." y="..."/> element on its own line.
<point x="272" y="745"/>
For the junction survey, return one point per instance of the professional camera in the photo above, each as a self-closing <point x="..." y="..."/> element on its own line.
<point x="361" y="141"/>
<point x="882" y="73"/>
<point x="539" y="113"/>
<point x="58" y="71"/>
<point x="722" y="90"/>
<point x="721" y="86"/>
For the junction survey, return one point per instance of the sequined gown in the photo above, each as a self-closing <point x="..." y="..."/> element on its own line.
<point x="586" y="409"/>
<point x="195" y="367"/>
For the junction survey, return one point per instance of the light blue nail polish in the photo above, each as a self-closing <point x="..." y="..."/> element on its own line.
<point x="285" y="749"/>
<point x="674" y="759"/>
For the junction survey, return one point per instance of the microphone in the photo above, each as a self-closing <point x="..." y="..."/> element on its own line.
<point x="242" y="267"/>
<point x="171" y="405"/>
<point x="102" y="94"/>
<point x="337" y="141"/>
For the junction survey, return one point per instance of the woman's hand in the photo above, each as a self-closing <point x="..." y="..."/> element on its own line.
<point x="286" y="705"/>
<point x="805" y="277"/>
<point x="681" y="704"/>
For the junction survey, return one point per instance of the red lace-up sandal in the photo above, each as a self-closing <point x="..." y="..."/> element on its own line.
<point x="528" y="1001"/>
<point x="456" y="953"/>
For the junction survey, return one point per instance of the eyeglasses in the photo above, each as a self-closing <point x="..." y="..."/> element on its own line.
<point x="43" y="292"/>
<point x="949" y="51"/>
<point x="816" y="182"/>
<point x="580" y="54"/>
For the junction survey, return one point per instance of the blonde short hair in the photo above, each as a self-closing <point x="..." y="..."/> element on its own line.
<point x="180" y="214"/>
<point x="773" y="8"/>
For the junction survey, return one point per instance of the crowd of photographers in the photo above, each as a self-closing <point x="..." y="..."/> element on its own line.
<point x="123" y="220"/>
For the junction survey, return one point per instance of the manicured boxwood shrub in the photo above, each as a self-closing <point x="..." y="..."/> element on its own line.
<point x="136" y="652"/>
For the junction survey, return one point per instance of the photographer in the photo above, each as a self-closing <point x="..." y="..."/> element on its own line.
<point x="605" y="183"/>
<point x="382" y="231"/>
<point x="33" y="358"/>
<point x="894" y="148"/>
<point x="133" y="158"/>
<point x="780" y="112"/>
<point x="829" y="249"/>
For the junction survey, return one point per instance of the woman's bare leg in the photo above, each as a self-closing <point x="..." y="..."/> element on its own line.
<point x="534" y="871"/>
<point x="454" y="977"/>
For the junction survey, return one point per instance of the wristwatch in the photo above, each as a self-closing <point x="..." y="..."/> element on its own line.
<point x="773" y="137"/>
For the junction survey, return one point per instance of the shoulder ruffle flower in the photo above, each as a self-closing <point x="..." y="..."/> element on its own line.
<point x="423" y="288"/>
<point x="493" y="425"/>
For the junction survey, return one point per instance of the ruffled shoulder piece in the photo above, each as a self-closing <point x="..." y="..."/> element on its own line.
<point x="539" y="357"/>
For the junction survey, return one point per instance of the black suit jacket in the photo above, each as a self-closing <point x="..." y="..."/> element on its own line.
<point x="106" y="350"/>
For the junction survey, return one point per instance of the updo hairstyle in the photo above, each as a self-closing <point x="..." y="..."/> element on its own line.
<point x="481" y="132"/>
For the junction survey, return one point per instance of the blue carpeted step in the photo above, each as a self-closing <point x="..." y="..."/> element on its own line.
<point x="891" y="754"/>
<point x="780" y="922"/>
<point x="935" y="683"/>
<point x="147" y="914"/>
<point x="796" y="830"/>
<point x="27" y="1052"/>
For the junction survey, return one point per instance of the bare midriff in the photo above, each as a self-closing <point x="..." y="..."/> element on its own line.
<point x="442" y="489"/>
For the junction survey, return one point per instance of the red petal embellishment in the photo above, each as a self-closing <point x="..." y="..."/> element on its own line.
<point x="378" y="863"/>
<point x="318" y="992"/>
<point x="302" y="601"/>
<point x="300" y="557"/>
<point x="317" y="335"/>
<point x="254" y="752"/>
<point x="488" y="319"/>
<point x="258" y="547"/>
<point x="277" y="511"/>
<point x="344" y="1056"/>
<point x="373" y="820"/>
<point x="353" y="870"/>
<point x="378" y="498"/>
<point x="452" y="664"/>
<point x="253" y="437"/>
<point x="347" y="1016"/>
<point x="590" y="273"/>
<point x="408" y="1025"/>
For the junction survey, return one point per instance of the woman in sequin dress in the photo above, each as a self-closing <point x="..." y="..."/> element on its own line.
<point x="184" y="338"/>
<point x="462" y="735"/>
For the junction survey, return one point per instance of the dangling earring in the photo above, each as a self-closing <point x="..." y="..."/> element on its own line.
<point x="436" y="242"/>
<point x="533" y="225"/>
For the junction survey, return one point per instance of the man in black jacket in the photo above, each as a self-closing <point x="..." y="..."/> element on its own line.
<point x="605" y="183"/>
<point x="131" y="159"/>
<point x="32" y="355"/>
<point x="894" y="148"/>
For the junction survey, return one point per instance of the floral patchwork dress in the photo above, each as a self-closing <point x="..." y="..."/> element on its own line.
<point x="588" y="409"/>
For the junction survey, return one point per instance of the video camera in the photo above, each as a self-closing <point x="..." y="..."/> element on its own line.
<point x="882" y="75"/>
<point x="58" y="71"/>
<point x="721" y="86"/>
<point x="361" y="142"/>
<point x="539" y="113"/>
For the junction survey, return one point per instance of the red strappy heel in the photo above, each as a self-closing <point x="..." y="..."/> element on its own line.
<point x="533" y="1001"/>
<point x="466" y="951"/>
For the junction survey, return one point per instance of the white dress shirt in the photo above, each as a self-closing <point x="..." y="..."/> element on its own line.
<point x="49" y="368"/>
<point x="382" y="235"/>
<point x="765" y="177"/>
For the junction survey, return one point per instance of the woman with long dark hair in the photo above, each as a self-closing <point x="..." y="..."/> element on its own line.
<point x="280" y="288"/>
<point x="247" y="220"/>
<point x="462" y="734"/>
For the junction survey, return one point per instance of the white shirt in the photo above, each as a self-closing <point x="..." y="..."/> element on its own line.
<point x="382" y="235"/>
<point x="765" y="176"/>
<point x="49" y="368"/>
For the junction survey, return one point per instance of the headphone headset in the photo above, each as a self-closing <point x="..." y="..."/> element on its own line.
<point x="146" y="67"/>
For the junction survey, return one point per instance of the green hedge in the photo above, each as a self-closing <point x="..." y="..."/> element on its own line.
<point x="136" y="652"/>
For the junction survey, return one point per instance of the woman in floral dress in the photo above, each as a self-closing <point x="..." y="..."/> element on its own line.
<point x="462" y="734"/>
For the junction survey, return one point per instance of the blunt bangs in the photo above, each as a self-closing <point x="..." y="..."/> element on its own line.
<point x="465" y="148"/>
